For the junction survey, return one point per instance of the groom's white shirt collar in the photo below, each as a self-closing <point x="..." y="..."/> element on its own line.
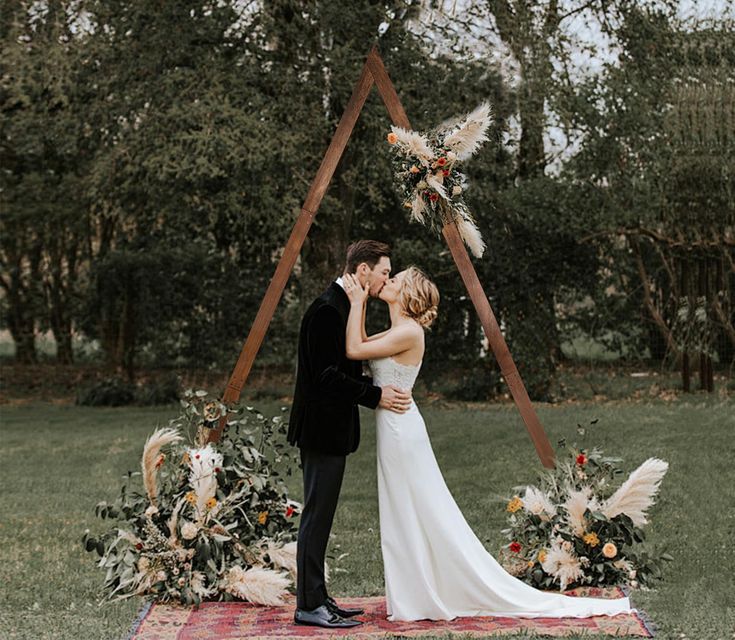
<point x="340" y="282"/>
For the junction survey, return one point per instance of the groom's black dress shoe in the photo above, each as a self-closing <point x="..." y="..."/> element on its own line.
<point x="323" y="617"/>
<point x="332" y="605"/>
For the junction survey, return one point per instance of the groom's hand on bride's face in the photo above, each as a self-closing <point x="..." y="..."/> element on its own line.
<point x="395" y="399"/>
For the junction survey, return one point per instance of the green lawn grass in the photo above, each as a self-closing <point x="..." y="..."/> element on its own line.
<point x="58" y="461"/>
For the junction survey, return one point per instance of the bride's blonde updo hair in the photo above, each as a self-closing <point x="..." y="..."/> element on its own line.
<point x="419" y="297"/>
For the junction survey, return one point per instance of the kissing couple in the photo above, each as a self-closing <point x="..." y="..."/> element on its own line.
<point x="435" y="567"/>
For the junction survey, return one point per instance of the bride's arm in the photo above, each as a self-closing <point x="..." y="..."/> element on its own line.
<point x="388" y="343"/>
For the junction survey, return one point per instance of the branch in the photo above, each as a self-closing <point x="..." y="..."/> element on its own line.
<point x="579" y="9"/>
<point x="648" y="300"/>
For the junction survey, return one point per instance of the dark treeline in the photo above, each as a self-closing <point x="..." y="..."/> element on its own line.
<point x="155" y="156"/>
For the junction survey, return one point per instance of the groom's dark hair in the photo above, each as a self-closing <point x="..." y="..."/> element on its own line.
<point x="369" y="251"/>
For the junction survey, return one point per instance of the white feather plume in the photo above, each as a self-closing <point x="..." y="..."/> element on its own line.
<point x="537" y="502"/>
<point x="257" y="585"/>
<point x="637" y="493"/>
<point x="414" y="144"/>
<point x="417" y="209"/>
<point x="471" y="236"/>
<point x="202" y="478"/>
<point x="470" y="133"/>
<point x="158" y="439"/>
<point x="575" y="505"/>
<point x="437" y="185"/>
<point x="284" y="557"/>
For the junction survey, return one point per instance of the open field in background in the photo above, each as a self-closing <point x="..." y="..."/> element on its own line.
<point x="60" y="460"/>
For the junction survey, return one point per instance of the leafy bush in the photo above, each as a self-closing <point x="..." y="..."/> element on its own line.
<point x="110" y="392"/>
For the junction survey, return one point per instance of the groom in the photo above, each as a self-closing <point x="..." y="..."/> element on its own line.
<point x="325" y="425"/>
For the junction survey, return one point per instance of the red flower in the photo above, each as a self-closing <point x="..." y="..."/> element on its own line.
<point x="290" y="511"/>
<point x="197" y="456"/>
<point x="515" y="547"/>
<point x="217" y="469"/>
<point x="445" y="173"/>
<point x="138" y="545"/>
<point x="441" y="161"/>
<point x="434" y="197"/>
<point x="581" y="459"/>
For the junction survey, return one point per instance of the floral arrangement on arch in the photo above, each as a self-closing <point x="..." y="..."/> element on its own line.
<point x="575" y="530"/>
<point x="214" y="521"/>
<point x="426" y="167"/>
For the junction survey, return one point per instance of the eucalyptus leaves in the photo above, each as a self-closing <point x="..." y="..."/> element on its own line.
<point x="213" y="521"/>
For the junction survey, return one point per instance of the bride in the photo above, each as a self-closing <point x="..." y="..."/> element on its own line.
<point x="435" y="566"/>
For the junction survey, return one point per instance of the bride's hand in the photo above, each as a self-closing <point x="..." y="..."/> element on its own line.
<point x="355" y="292"/>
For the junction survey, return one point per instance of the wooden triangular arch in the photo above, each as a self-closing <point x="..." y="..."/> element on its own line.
<point x="374" y="72"/>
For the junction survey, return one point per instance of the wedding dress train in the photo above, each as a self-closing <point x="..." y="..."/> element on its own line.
<point x="435" y="566"/>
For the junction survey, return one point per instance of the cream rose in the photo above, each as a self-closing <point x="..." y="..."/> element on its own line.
<point x="609" y="550"/>
<point x="188" y="531"/>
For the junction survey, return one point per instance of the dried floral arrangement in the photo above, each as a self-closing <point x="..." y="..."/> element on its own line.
<point x="574" y="529"/>
<point x="213" y="521"/>
<point x="426" y="167"/>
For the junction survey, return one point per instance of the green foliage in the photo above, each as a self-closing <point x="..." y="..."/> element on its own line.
<point x="556" y="545"/>
<point x="183" y="543"/>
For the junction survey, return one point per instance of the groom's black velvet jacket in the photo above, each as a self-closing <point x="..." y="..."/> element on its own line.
<point x="324" y="416"/>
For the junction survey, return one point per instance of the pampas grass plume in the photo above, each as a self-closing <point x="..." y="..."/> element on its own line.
<point x="637" y="493"/>
<point x="470" y="133"/>
<point x="257" y="585"/>
<point x="158" y="439"/>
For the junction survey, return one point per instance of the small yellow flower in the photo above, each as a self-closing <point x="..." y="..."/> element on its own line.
<point x="591" y="539"/>
<point x="392" y="138"/>
<point x="530" y="563"/>
<point x="609" y="550"/>
<point x="262" y="517"/>
<point x="191" y="497"/>
<point x="515" y="504"/>
<point x="211" y="503"/>
<point x="542" y="555"/>
<point x="185" y="459"/>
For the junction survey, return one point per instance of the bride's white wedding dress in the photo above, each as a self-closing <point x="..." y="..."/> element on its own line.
<point x="435" y="566"/>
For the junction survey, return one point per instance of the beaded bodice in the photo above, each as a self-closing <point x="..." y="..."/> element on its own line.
<point x="388" y="371"/>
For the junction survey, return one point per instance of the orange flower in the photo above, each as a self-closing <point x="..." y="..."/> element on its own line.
<point x="392" y="138"/>
<point x="542" y="555"/>
<point x="609" y="550"/>
<point x="591" y="539"/>
<point x="211" y="503"/>
<point x="262" y="517"/>
<point x="514" y="505"/>
<point x="441" y="161"/>
<point x="414" y="169"/>
<point x="191" y="497"/>
<point x="185" y="459"/>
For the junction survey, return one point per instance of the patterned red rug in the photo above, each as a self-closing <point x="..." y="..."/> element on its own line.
<point x="238" y="620"/>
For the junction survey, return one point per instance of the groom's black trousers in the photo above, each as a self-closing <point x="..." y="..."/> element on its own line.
<point x="322" y="483"/>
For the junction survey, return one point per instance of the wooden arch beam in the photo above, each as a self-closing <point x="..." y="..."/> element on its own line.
<point x="374" y="72"/>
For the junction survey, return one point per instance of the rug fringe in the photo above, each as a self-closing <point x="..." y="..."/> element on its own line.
<point x="139" y="619"/>
<point x="641" y="614"/>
